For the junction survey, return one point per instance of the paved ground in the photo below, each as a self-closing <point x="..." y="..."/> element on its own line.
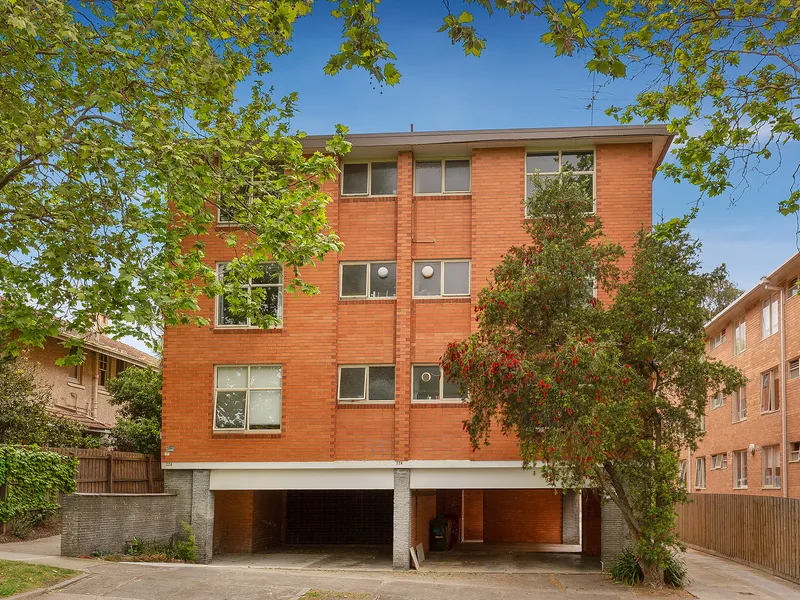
<point x="713" y="579"/>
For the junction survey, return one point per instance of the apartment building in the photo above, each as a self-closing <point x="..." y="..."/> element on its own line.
<point x="337" y="427"/>
<point x="752" y="442"/>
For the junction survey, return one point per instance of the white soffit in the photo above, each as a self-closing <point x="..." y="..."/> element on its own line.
<point x="476" y="478"/>
<point x="302" y="479"/>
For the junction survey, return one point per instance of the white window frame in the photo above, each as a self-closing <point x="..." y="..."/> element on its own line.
<point x="365" y="399"/>
<point x="443" y="161"/>
<point x="789" y="369"/>
<point x="560" y="171"/>
<point x="441" y="399"/>
<point x="717" y="400"/>
<point x="368" y="264"/>
<point x="793" y="287"/>
<point x="368" y="193"/>
<point x="441" y="283"/>
<point x="771" y="457"/>
<point x="739" y="461"/>
<point x="739" y="335"/>
<point x="794" y="451"/>
<point x="736" y="405"/>
<point x="700" y="469"/>
<point x="774" y="319"/>
<point x="245" y="429"/>
<point x="106" y="370"/>
<point x="249" y="325"/>
<point x="719" y="461"/>
<point x="775" y="394"/>
<point x="682" y="472"/>
<point x="719" y="339"/>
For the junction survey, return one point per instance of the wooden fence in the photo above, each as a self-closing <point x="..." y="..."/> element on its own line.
<point x="106" y="471"/>
<point x="760" y="531"/>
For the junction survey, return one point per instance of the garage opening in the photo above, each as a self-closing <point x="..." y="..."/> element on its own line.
<point x="339" y="517"/>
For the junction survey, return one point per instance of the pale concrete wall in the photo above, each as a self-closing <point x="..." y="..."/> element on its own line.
<point x="401" y="541"/>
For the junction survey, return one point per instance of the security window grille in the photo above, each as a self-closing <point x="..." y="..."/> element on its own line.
<point x="700" y="473"/>
<point x="369" y="179"/>
<point x="770" y="391"/>
<point x="368" y="280"/>
<point x="103" y="372"/>
<point x="431" y="385"/>
<point x="248" y="398"/>
<point x="771" y="467"/>
<point x="719" y="461"/>
<point x="555" y="164"/>
<point x="442" y="176"/>
<point x="719" y="339"/>
<point x="269" y="286"/>
<point x="740" y="469"/>
<point x="366" y="383"/>
<point x="769" y="316"/>
<point x="439" y="278"/>
<point x="739" y="402"/>
<point x="794" y="368"/>
<point x="717" y="401"/>
<point x="739" y="336"/>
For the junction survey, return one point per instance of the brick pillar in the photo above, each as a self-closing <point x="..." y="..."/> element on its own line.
<point x="401" y="531"/>
<point x="195" y="505"/>
<point x="570" y="517"/>
<point x="614" y="536"/>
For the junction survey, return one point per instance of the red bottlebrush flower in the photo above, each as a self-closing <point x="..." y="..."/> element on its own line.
<point x="569" y="410"/>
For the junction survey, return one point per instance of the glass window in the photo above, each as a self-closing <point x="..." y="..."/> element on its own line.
<point x="769" y="316"/>
<point x="456" y="176"/>
<point x="717" y="401"/>
<point x="248" y="397"/>
<point x="355" y="179"/>
<point x="456" y="279"/>
<point x="369" y="280"/>
<point x="428" y="177"/>
<point x="383" y="179"/>
<point x="431" y="385"/>
<point x="739" y="336"/>
<point x="795" y="452"/>
<point x="555" y="164"/>
<point x="770" y="391"/>
<point x="740" y="469"/>
<point x="700" y="473"/>
<point x="427" y="278"/>
<point x="268" y="287"/>
<point x="719" y="461"/>
<point x="442" y="278"/>
<point x="794" y="368"/>
<point x="719" y="339"/>
<point x="442" y="176"/>
<point x="682" y="473"/>
<point x="771" y="467"/>
<point x="103" y="370"/>
<point x="370" y="382"/>
<point x="739" y="401"/>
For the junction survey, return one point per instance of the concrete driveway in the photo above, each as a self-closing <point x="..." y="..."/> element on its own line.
<point x="713" y="579"/>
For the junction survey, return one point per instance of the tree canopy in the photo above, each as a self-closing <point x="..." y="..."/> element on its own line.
<point x="722" y="291"/>
<point x="138" y="394"/>
<point x="604" y="394"/>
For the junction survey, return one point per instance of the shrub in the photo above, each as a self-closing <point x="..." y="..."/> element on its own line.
<point x="22" y="524"/>
<point x="186" y="549"/>
<point x="181" y="548"/>
<point x="626" y="569"/>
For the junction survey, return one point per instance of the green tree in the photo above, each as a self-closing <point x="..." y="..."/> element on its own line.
<point x="604" y="395"/>
<point x="23" y="411"/>
<point x="138" y="394"/>
<point x="121" y="127"/>
<point x="722" y="291"/>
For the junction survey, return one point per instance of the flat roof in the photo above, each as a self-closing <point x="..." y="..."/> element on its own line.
<point x="432" y="142"/>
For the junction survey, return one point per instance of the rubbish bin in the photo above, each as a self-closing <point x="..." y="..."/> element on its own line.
<point x="441" y="534"/>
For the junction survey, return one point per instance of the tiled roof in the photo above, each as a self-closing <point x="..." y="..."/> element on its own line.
<point x="103" y="343"/>
<point x="84" y="420"/>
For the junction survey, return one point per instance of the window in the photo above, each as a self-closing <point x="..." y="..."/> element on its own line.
<point x="269" y="286"/>
<point x="719" y="461"/>
<point x="119" y="366"/>
<point x="441" y="278"/>
<point x="682" y="474"/>
<point x="794" y="368"/>
<point x="718" y="339"/>
<point x="554" y="164"/>
<point x="369" y="179"/>
<point x="700" y="473"/>
<point x="368" y="280"/>
<point x="770" y="391"/>
<point x="769" y="316"/>
<point x="771" y="467"/>
<point x="717" y="401"/>
<point x="248" y="398"/>
<point x="102" y="377"/>
<point x="367" y="383"/>
<point x="739" y="401"/>
<point x="430" y="385"/>
<point x="442" y="176"/>
<point x="74" y="372"/>
<point x="739" y="336"/>
<point x="794" y="449"/>
<point x="740" y="469"/>
<point x="702" y="421"/>
<point x="794" y="287"/>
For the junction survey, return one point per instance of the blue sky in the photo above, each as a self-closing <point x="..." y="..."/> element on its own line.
<point x="517" y="82"/>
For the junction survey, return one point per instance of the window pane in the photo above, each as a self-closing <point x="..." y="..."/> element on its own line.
<point x="587" y="185"/>
<point x="381" y="383"/>
<point x="456" y="278"/>
<point x="351" y="383"/>
<point x="530" y="188"/>
<point x="428" y="177"/>
<point x="577" y="161"/>
<point x="231" y="377"/>
<point x="451" y="390"/>
<point x="265" y="409"/>
<point x="270" y="300"/>
<point x="426" y="390"/>
<point x="427" y="286"/>
<point x="265" y="377"/>
<point x="383" y="280"/>
<point x="354" y="178"/>
<point x="546" y="163"/>
<point x="765" y="325"/>
<point x="384" y="179"/>
<point x="456" y="176"/>
<point x="354" y="280"/>
<point x="273" y="273"/>
<point x="226" y="317"/>
<point x="774" y="316"/>
<point x="230" y="410"/>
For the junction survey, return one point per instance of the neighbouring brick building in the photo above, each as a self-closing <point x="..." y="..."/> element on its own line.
<point x="337" y="427"/>
<point x="752" y="442"/>
<point x="79" y="392"/>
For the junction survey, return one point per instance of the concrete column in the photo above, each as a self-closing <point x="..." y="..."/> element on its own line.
<point x="570" y="517"/>
<point x="614" y="535"/>
<point x="195" y="505"/>
<point x="401" y="538"/>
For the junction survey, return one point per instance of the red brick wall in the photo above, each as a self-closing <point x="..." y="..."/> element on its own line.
<point x="591" y="522"/>
<point x="423" y="507"/>
<point x="522" y="516"/>
<point x="268" y="519"/>
<point x="233" y="522"/>
<point x="321" y="331"/>
<point x="473" y="516"/>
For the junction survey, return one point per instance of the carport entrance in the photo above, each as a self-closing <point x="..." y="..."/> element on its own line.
<point x="339" y="517"/>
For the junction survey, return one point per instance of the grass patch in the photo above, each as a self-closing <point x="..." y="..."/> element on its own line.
<point x="16" y="577"/>
<point x="327" y="595"/>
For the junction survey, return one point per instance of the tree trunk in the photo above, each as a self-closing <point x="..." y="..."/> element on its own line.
<point x="653" y="575"/>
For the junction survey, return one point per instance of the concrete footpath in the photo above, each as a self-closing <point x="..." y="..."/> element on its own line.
<point x="712" y="579"/>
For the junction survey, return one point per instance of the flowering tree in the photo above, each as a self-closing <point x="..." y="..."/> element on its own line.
<point x="599" y="395"/>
